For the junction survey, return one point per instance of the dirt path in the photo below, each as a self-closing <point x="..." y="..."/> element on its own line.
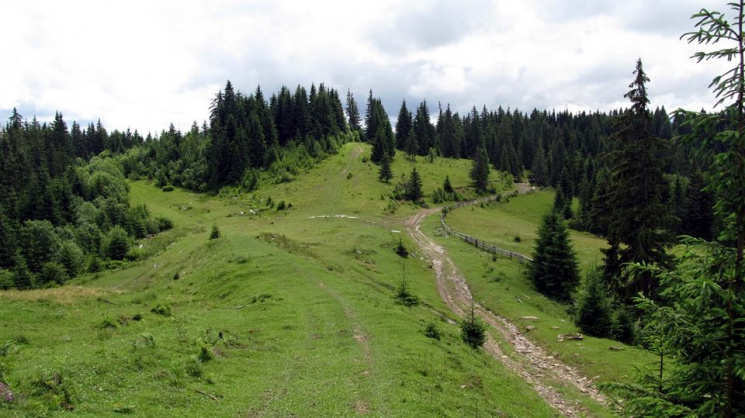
<point x="532" y="363"/>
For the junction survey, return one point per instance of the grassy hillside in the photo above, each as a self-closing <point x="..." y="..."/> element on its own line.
<point x="514" y="226"/>
<point x="500" y="284"/>
<point x="287" y="313"/>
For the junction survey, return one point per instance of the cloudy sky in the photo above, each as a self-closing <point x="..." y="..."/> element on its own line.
<point x="146" y="64"/>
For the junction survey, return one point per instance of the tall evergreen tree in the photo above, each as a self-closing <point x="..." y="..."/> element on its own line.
<point x="414" y="186"/>
<point x="697" y="218"/>
<point x="403" y="126"/>
<point x="353" y="113"/>
<point x="638" y="218"/>
<point x="385" y="174"/>
<point x="480" y="171"/>
<point x="554" y="270"/>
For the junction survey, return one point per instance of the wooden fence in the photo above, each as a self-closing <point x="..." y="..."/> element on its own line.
<point x="480" y="244"/>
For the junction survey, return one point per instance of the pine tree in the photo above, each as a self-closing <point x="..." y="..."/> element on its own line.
<point x="385" y="174"/>
<point x="414" y="186"/>
<point x="697" y="217"/>
<point x="554" y="269"/>
<point x="638" y="218"/>
<point x="698" y="320"/>
<point x="403" y="126"/>
<point x="480" y="171"/>
<point x="539" y="170"/>
<point x="353" y="113"/>
<point x="411" y="147"/>
<point x="594" y="311"/>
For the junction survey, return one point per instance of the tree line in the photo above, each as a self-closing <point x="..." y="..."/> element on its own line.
<point x="64" y="204"/>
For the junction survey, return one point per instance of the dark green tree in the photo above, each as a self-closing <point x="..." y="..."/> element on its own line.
<point x="117" y="243"/>
<point x="639" y="221"/>
<point x="594" y="310"/>
<point x="554" y="269"/>
<point x="385" y="174"/>
<point x="472" y="330"/>
<point x="539" y="169"/>
<point x="403" y="126"/>
<point x="480" y="171"/>
<point x="411" y="146"/>
<point x="353" y="113"/>
<point x="414" y="186"/>
<point x="697" y="218"/>
<point x="698" y="318"/>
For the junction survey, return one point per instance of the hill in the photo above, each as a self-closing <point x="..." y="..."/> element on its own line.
<point x="287" y="313"/>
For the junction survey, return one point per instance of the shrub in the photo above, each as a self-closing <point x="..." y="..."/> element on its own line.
<point x="6" y="279"/>
<point x="281" y="205"/>
<point x="117" y="243"/>
<point x="215" y="234"/>
<point x="400" y="249"/>
<point x="108" y="323"/>
<point x="164" y="223"/>
<point x="53" y="273"/>
<point x="431" y="331"/>
<point x="473" y="331"/>
<point x="205" y="354"/>
<point x="161" y="309"/>
<point x="405" y="297"/>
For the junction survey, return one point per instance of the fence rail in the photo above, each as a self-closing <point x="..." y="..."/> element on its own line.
<point x="477" y="242"/>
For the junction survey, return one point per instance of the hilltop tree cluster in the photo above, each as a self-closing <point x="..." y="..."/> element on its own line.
<point x="61" y="215"/>
<point x="246" y="136"/>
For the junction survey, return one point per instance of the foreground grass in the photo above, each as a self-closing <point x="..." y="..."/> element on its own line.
<point x="288" y="313"/>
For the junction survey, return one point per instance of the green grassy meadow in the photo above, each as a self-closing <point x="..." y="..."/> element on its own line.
<point x="288" y="313"/>
<point x="500" y="284"/>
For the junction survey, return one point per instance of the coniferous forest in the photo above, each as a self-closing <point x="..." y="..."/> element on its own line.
<point x="665" y="190"/>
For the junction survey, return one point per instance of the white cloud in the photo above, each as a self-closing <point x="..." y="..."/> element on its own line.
<point x="144" y="64"/>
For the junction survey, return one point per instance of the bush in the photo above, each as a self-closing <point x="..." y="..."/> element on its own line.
<point x="215" y="234"/>
<point x="117" y="243"/>
<point x="431" y="331"/>
<point x="281" y="205"/>
<point x="161" y="309"/>
<point x="6" y="280"/>
<point x="405" y="297"/>
<point x="53" y="273"/>
<point x="400" y="249"/>
<point x="164" y="223"/>
<point x="473" y="331"/>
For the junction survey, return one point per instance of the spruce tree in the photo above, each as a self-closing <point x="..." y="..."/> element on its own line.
<point x="594" y="311"/>
<point x="403" y="126"/>
<point x="480" y="171"/>
<point x="385" y="174"/>
<point x="697" y="217"/>
<point x="698" y="320"/>
<point x="554" y="269"/>
<point x="539" y="169"/>
<point x="639" y="220"/>
<point x="353" y="113"/>
<point x="414" y="186"/>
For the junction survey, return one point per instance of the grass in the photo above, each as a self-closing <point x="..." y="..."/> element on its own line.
<point x="287" y="313"/>
<point x="500" y="284"/>
<point x="514" y="226"/>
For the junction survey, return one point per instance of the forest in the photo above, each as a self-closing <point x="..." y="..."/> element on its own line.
<point x="665" y="190"/>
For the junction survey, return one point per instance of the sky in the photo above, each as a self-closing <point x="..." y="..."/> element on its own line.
<point x="143" y="65"/>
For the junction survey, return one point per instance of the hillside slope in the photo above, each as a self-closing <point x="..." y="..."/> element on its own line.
<point x="287" y="313"/>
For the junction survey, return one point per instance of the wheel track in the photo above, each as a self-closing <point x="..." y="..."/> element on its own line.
<point x="532" y="362"/>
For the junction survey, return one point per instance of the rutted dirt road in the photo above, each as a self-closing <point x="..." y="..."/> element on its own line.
<point x="532" y="363"/>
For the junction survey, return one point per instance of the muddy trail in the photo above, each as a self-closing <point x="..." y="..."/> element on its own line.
<point x="530" y="362"/>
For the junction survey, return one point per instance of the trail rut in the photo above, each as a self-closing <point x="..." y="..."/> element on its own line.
<point x="532" y="363"/>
